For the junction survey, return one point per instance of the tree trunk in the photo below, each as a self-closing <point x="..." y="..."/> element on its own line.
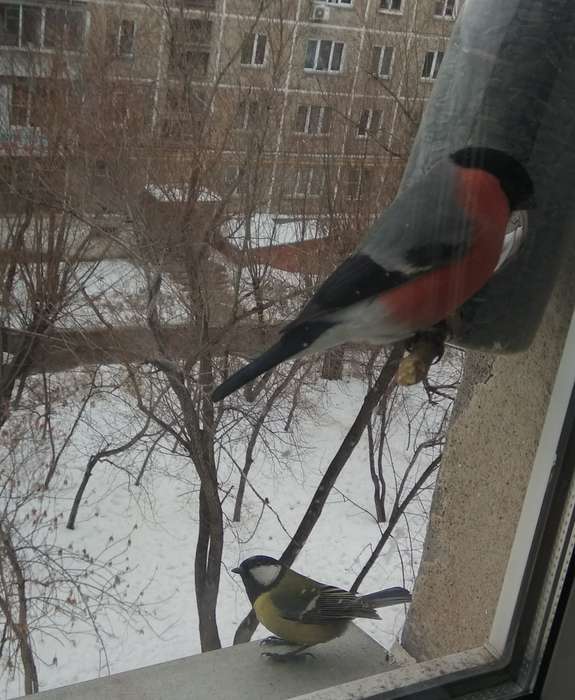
<point x="248" y="625"/>
<point x="207" y="574"/>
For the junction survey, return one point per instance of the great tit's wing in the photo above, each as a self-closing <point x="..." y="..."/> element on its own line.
<point x="323" y="604"/>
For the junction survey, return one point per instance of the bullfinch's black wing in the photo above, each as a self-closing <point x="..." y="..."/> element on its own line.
<point x="359" y="277"/>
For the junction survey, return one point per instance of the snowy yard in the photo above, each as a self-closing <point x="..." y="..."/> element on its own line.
<point x="152" y="528"/>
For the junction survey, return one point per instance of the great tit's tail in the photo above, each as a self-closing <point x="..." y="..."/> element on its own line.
<point x="296" y="340"/>
<point x="389" y="596"/>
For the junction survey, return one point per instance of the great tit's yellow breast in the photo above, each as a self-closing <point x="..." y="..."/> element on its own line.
<point x="293" y="631"/>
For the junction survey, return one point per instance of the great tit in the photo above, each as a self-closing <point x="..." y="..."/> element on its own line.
<point x="303" y="612"/>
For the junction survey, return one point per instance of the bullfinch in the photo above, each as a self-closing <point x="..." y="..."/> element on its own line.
<point x="433" y="248"/>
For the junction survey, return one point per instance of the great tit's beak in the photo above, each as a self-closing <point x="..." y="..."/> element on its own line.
<point x="237" y="570"/>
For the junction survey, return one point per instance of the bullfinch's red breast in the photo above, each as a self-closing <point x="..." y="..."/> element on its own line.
<point x="432" y="249"/>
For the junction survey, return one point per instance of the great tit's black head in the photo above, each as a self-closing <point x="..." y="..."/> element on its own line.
<point x="259" y="574"/>
<point x="512" y="175"/>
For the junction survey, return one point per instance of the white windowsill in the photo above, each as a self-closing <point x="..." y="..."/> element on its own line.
<point x="315" y="71"/>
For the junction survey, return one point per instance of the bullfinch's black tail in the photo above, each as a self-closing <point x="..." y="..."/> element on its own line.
<point x="389" y="596"/>
<point x="295" y="340"/>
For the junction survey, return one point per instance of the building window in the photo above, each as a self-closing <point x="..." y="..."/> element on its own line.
<point x="36" y="27"/>
<point x="370" y="122"/>
<point x="31" y="101"/>
<point x="357" y="181"/>
<point x="20" y="104"/>
<point x="190" y="47"/>
<point x="390" y="5"/>
<point x="126" y="34"/>
<point x="64" y="29"/>
<point x="191" y="62"/>
<point x="246" y="117"/>
<point x="121" y="35"/>
<point x="348" y="3"/>
<point x="313" y="120"/>
<point x="381" y="59"/>
<point x="324" y="55"/>
<point x="431" y="64"/>
<point x="445" y="8"/>
<point x="232" y="178"/>
<point x="309" y="182"/>
<point x="253" y="50"/>
<point x="199" y="4"/>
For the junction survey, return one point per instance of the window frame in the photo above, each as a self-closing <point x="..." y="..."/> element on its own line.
<point x="537" y="585"/>
<point x="43" y="10"/>
<point x="318" y="43"/>
<point x="390" y="10"/>
<point x="444" y="5"/>
<point x="435" y="64"/>
<point x="126" y="54"/>
<point x="307" y="192"/>
<point x="324" y="118"/>
<point x="254" y="50"/>
<point x="382" y="51"/>
<point x="246" y="116"/>
<point x="369" y="131"/>
<point x="337" y="3"/>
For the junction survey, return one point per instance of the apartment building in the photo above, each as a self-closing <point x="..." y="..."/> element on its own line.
<point x="290" y="103"/>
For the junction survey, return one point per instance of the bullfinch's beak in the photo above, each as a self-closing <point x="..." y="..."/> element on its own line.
<point x="237" y="570"/>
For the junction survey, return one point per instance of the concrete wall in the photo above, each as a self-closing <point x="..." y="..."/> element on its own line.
<point x="494" y="434"/>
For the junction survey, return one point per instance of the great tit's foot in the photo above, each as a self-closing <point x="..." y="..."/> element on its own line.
<point x="275" y="641"/>
<point x="290" y="656"/>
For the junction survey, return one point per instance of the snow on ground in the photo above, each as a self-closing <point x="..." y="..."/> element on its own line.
<point x="268" y="229"/>
<point x="159" y="518"/>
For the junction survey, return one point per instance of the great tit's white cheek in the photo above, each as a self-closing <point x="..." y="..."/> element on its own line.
<point x="265" y="574"/>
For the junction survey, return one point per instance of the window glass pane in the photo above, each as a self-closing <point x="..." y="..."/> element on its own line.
<point x="326" y="120"/>
<point x="438" y="60"/>
<point x="126" y="40"/>
<point x="197" y="62"/>
<point x="363" y="122"/>
<point x="337" y="54"/>
<point x="31" y="26"/>
<point x="253" y="114"/>
<point x="375" y="59"/>
<point x="9" y="25"/>
<point x="302" y="180"/>
<point x="240" y="116"/>
<point x="427" y="64"/>
<point x="260" y="49"/>
<point x="198" y="31"/>
<point x="64" y="29"/>
<point x="316" y="182"/>
<point x="310" y="53"/>
<point x="300" y="120"/>
<point x="394" y="5"/>
<point x="386" y="58"/>
<point x="19" y="106"/>
<point x="247" y="49"/>
<point x="352" y="182"/>
<point x="325" y="49"/>
<point x="314" y="117"/>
